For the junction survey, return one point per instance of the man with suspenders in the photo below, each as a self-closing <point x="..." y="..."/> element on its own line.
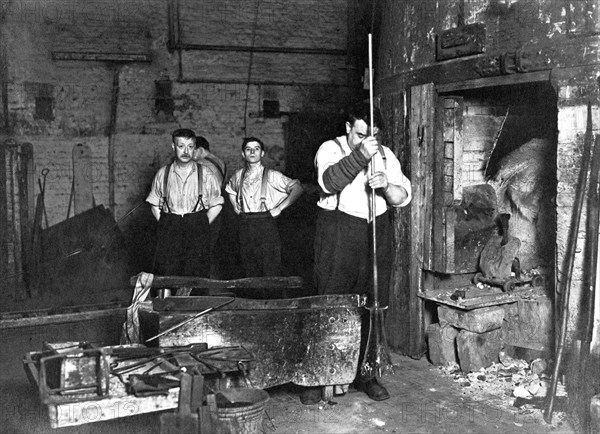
<point x="258" y="196"/>
<point x="343" y="263"/>
<point x="185" y="198"/>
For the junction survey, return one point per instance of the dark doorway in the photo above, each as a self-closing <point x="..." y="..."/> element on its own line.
<point x="304" y="133"/>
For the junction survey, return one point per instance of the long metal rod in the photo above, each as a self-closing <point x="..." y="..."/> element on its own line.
<point x="372" y="195"/>
<point x="190" y="319"/>
<point x="112" y="131"/>
<point x="592" y="230"/>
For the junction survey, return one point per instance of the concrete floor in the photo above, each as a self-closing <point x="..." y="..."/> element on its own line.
<point x="423" y="400"/>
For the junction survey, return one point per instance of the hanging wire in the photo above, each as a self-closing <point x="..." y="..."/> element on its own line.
<point x="250" y="66"/>
<point x="373" y="8"/>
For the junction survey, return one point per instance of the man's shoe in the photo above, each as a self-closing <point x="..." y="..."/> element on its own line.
<point x="310" y="395"/>
<point x="373" y="389"/>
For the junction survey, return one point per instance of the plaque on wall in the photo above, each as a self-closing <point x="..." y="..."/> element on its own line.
<point x="461" y="41"/>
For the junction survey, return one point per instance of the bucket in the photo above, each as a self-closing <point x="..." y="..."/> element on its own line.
<point x="243" y="414"/>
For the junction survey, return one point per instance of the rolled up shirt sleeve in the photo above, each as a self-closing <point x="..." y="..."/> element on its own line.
<point x="396" y="177"/>
<point x="280" y="182"/>
<point x="156" y="194"/>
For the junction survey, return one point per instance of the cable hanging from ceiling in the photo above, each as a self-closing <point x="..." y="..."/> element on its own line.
<point x="251" y="59"/>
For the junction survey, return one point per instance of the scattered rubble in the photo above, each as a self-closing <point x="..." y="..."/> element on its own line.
<point x="522" y="387"/>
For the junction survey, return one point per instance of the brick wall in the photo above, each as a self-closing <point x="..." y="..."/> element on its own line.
<point x="573" y="96"/>
<point x="541" y="26"/>
<point x="304" y="64"/>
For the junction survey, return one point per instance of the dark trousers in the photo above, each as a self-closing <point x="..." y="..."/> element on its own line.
<point x="260" y="245"/>
<point x="215" y="229"/>
<point x="183" y="245"/>
<point x="343" y="255"/>
<point x="343" y="260"/>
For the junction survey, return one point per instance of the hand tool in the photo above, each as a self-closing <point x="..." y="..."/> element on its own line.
<point x="187" y="320"/>
<point x="584" y="392"/>
<point x="564" y="287"/>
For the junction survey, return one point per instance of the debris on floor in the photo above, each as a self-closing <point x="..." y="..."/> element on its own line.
<point x="518" y="386"/>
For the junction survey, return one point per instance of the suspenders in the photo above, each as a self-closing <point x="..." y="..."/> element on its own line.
<point x="164" y="190"/>
<point x="263" y="189"/>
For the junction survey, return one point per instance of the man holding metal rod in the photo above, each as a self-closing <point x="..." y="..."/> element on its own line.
<point x="343" y="236"/>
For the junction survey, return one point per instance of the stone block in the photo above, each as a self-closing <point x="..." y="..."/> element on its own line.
<point x="478" y="350"/>
<point x="477" y="320"/>
<point x="529" y="324"/>
<point x="441" y="342"/>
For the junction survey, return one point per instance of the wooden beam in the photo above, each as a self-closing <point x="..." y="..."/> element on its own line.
<point x="204" y="283"/>
<point x="501" y="80"/>
<point x="263" y="49"/>
<point x="101" y="57"/>
<point x="203" y="303"/>
<point x="75" y="317"/>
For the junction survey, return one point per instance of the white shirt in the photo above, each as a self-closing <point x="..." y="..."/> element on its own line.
<point x="354" y="198"/>
<point x="278" y="188"/>
<point x="183" y="189"/>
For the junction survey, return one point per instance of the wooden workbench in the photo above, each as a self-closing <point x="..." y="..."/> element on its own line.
<point x="82" y="409"/>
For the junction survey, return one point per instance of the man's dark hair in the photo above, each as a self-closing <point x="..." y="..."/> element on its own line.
<point x="253" y="139"/>
<point x="183" y="133"/>
<point x="201" y="142"/>
<point x="361" y="111"/>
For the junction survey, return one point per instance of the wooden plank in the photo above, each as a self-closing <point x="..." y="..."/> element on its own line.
<point x="60" y="319"/>
<point x="198" y="304"/>
<point x="4" y="232"/>
<point x="101" y="57"/>
<point x="450" y="249"/>
<point x="502" y="80"/>
<point x="112" y="132"/>
<point x="421" y="136"/>
<point x="27" y="200"/>
<point x="271" y="282"/>
<point x="422" y="130"/>
<point x="457" y="158"/>
<point x="444" y="136"/>
<point x="82" y="178"/>
<point x="394" y="106"/>
<point x="448" y="187"/>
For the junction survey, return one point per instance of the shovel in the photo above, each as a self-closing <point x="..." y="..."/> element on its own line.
<point x="183" y="421"/>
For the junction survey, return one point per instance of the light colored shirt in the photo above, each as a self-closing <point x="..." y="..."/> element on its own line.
<point x="278" y="188"/>
<point x="354" y="198"/>
<point x="182" y="189"/>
